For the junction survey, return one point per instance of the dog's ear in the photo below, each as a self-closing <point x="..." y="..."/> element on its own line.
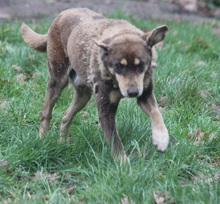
<point x="104" y="44"/>
<point x="155" y="36"/>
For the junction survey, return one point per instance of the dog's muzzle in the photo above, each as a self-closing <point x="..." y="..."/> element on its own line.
<point x="132" y="92"/>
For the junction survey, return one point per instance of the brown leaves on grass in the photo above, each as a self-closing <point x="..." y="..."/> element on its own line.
<point x="4" y="163"/>
<point x="163" y="101"/>
<point x="53" y="178"/>
<point x="17" y="68"/>
<point x="215" y="111"/>
<point x="163" y="198"/>
<point x="4" y="81"/>
<point x="69" y="190"/>
<point x="198" y="137"/>
<point x="2" y="105"/>
<point x="20" y="78"/>
<point x="207" y="178"/>
<point x="201" y="63"/>
<point x="125" y="200"/>
<point x="7" y="201"/>
<point x="85" y="115"/>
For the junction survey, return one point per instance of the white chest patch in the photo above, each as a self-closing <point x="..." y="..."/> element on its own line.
<point x="78" y="81"/>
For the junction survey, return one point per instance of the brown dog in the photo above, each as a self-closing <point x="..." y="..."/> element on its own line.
<point x="110" y="58"/>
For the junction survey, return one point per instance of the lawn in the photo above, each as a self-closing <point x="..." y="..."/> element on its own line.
<point x="83" y="170"/>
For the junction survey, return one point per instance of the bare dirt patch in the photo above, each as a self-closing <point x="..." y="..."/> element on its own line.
<point x="168" y="10"/>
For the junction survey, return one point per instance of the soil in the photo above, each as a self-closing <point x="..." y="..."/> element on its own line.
<point x="167" y="10"/>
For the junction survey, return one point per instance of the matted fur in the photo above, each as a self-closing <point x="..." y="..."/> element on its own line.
<point x="109" y="57"/>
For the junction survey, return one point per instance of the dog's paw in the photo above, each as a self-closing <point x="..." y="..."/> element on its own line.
<point x="160" y="139"/>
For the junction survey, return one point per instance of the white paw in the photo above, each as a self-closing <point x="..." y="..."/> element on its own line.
<point x="160" y="139"/>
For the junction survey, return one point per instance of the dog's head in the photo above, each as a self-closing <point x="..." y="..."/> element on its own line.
<point x="127" y="58"/>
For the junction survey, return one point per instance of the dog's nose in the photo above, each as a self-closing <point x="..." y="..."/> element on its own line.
<point x="132" y="92"/>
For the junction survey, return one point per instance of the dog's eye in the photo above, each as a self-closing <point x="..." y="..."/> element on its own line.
<point x="140" y="67"/>
<point x="119" y="68"/>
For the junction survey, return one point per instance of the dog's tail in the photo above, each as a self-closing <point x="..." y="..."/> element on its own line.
<point x="34" y="40"/>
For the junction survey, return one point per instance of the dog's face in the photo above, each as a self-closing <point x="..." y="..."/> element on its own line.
<point x="127" y="60"/>
<point x="128" y="57"/>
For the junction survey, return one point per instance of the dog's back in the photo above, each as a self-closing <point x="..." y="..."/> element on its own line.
<point x="72" y="35"/>
<point x="79" y="29"/>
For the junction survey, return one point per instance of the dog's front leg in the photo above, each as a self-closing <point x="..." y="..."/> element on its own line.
<point x="160" y="137"/>
<point x="107" y="102"/>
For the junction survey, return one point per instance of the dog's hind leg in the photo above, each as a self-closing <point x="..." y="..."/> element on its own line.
<point x="80" y="99"/>
<point x="54" y="91"/>
<point x="148" y="104"/>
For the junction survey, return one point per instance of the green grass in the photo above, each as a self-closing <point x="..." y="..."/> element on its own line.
<point x="42" y="171"/>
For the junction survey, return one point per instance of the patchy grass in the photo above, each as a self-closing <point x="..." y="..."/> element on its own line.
<point x="44" y="171"/>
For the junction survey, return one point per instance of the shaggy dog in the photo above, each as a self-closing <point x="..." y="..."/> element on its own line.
<point x="111" y="59"/>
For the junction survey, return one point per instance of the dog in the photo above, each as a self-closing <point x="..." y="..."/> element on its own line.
<point x="109" y="58"/>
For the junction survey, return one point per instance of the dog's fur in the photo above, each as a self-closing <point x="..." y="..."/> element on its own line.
<point x="111" y="58"/>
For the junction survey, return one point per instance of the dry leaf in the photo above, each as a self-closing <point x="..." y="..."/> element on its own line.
<point x="68" y="175"/>
<point x="125" y="200"/>
<point x="162" y="101"/>
<point x="4" y="163"/>
<point x="50" y="177"/>
<point x="20" y="78"/>
<point x="201" y="63"/>
<point x="53" y="177"/>
<point x="205" y="95"/>
<point x="17" y="68"/>
<point x="211" y="136"/>
<point x="35" y="75"/>
<point x="216" y="162"/>
<point x="2" y="105"/>
<point x="7" y="201"/>
<point x="69" y="190"/>
<point x="207" y="178"/>
<point x="159" y="198"/>
<point x="4" y="81"/>
<point x="163" y="198"/>
<point x="82" y="200"/>
<point x="85" y="115"/>
<point x="197" y="137"/>
<point x="90" y="104"/>
<point x="216" y="111"/>
<point x="213" y="75"/>
<point x="37" y="176"/>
